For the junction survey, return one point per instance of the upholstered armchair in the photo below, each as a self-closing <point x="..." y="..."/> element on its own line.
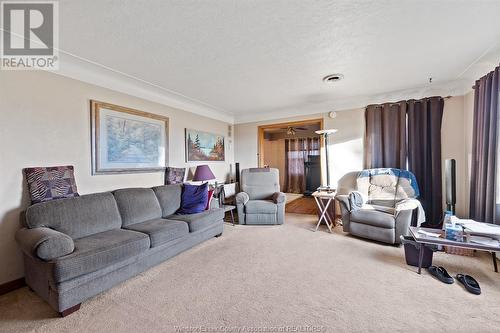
<point x="379" y="204"/>
<point x="260" y="201"/>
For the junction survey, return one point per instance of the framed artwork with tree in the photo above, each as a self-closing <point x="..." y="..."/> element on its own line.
<point x="126" y="140"/>
<point x="203" y="146"/>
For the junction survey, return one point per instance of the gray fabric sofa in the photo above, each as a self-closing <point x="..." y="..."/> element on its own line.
<point x="388" y="208"/>
<point x="76" y="248"/>
<point x="260" y="200"/>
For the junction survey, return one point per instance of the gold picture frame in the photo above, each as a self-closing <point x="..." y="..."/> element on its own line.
<point x="126" y="140"/>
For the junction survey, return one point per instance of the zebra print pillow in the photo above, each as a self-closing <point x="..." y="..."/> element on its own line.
<point x="50" y="183"/>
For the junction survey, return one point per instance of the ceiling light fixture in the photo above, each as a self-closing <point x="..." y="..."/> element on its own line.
<point x="332" y="78"/>
<point x="327" y="131"/>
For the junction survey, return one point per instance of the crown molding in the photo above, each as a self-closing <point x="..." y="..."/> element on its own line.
<point x="99" y="75"/>
<point x="83" y="70"/>
<point x="448" y="88"/>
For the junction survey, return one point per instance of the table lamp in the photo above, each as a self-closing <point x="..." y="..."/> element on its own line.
<point x="203" y="173"/>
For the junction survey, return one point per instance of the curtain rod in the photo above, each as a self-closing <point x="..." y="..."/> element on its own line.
<point x="413" y="99"/>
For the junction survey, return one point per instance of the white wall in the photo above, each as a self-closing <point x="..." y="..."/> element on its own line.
<point x="345" y="152"/>
<point x="453" y="142"/>
<point x="45" y="121"/>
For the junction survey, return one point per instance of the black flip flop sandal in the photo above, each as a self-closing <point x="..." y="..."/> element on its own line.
<point x="441" y="274"/>
<point x="469" y="283"/>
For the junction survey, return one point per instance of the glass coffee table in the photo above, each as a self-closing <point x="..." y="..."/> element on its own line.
<point x="424" y="239"/>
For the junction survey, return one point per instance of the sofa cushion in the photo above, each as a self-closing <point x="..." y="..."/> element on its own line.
<point x="261" y="219"/>
<point x="137" y="205"/>
<point x="99" y="251"/>
<point x="50" y="183"/>
<point x="161" y="231"/>
<point x="174" y="175"/>
<point x="169" y="197"/>
<point x="194" y="199"/>
<point x="201" y="220"/>
<point x="261" y="207"/>
<point x="76" y="217"/>
<point x="379" y="185"/>
<point x="374" y="218"/>
<point x="210" y="196"/>
<point x="407" y="186"/>
<point x="260" y="183"/>
<point x="384" y="209"/>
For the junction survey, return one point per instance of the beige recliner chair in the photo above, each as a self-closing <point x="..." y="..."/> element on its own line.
<point x="379" y="204"/>
<point x="260" y="200"/>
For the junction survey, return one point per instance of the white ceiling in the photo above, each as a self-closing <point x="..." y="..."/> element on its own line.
<point x="248" y="60"/>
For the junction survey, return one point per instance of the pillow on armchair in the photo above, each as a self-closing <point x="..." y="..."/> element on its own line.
<point x="194" y="199"/>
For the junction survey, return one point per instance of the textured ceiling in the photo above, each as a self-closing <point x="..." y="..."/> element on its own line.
<point x="262" y="59"/>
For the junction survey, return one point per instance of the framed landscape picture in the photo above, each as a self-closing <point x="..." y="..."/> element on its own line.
<point x="203" y="146"/>
<point x="126" y="140"/>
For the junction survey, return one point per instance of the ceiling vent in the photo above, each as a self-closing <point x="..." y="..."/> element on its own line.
<point x="332" y="78"/>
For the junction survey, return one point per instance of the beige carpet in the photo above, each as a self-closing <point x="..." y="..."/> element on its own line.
<point x="274" y="277"/>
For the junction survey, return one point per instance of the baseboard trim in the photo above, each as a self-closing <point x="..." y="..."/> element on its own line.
<point x="12" y="285"/>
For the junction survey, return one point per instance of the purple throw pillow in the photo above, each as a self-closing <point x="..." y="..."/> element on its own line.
<point x="174" y="175"/>
<point x="194" y="199"/>
<point x="51" y="183"/>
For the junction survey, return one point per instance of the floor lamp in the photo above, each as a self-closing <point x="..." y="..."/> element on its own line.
<point x="325" y="134"/>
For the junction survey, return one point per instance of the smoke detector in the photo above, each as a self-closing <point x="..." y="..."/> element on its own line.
<point x="332" y="78"/>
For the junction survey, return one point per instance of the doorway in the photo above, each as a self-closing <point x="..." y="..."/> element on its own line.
<point x="295" y="150"/>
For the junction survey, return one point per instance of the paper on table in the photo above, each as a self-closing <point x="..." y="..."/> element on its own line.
<point x="483" y="240"/>
<point x="480" y="228"/>
<point x="431" y="234"/>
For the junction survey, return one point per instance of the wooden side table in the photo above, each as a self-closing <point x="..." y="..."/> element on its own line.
<point x="324" y="200"/>
<point x="226" y="194"/>
<point x="230" y="209"/>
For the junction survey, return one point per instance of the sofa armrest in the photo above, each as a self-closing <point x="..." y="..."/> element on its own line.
<point x="279" y="197"/>
<point x="242" y="198"/>
<point x="404" y="207"/>
<point x="44" y="243"/>
<point x="345" y="211"/>
<point x="344" y="200"/>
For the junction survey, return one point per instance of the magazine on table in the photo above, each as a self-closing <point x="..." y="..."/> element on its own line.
<point x="480" y="228"/>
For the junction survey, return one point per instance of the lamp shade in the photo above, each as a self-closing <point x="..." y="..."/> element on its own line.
<point x="202" y="173"/>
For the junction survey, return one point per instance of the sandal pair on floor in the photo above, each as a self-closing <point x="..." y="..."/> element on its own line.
<point x="470" y="284"/>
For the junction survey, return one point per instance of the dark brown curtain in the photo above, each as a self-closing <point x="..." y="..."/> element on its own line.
<point x="297" y="151"/>
<point x="424" y="153"/>
<point x="385" y="136"/>
<point x="485" y="148"/>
